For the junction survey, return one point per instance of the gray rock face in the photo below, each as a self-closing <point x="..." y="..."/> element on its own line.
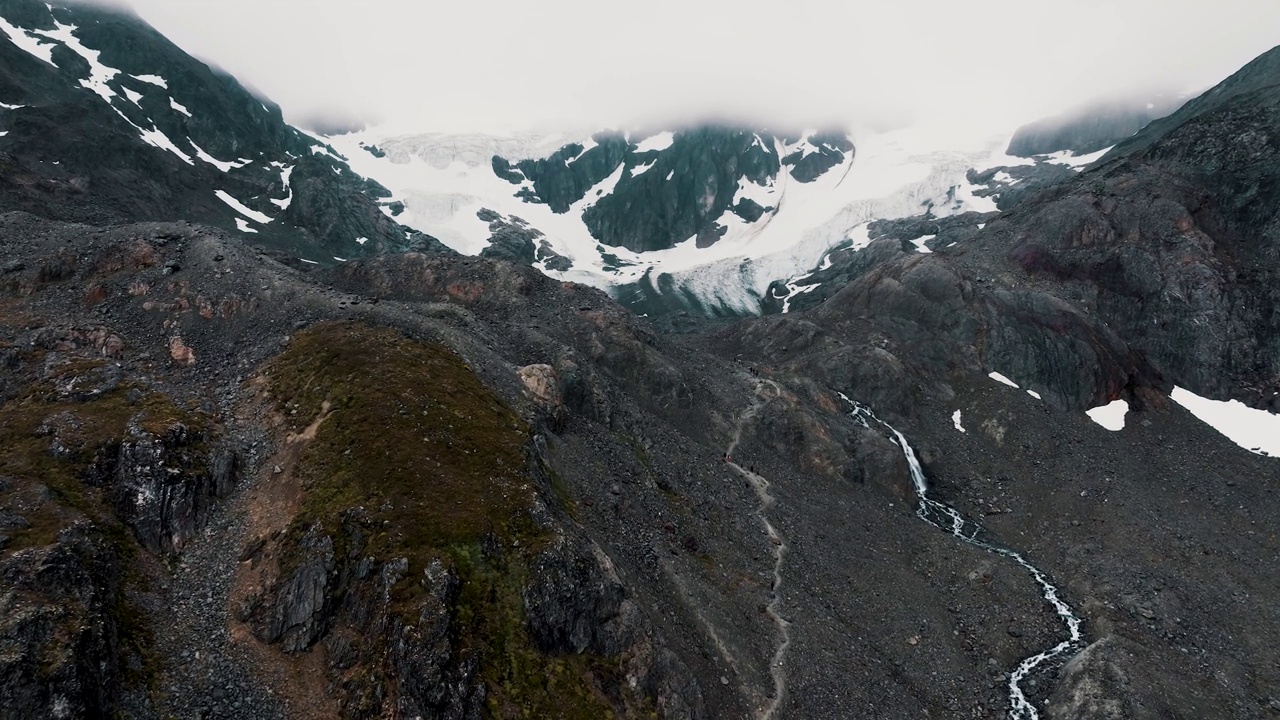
<point x="59" y="631"/>
<point x="565" y="177"/>
<point x="1175" y="245"/>
<point x="297" y="617"/>
<point x="434" y="680"/>
<point x="687" y="188"/>
<point x="512" y="239"/>
<point x="576" y="603"/>
<point x="807" y="166"/>
<point x="164" y="486"/>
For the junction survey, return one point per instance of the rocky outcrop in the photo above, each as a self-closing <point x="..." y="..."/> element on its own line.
<point x="1174" y="242"/>
<point x="1010" y="185"/>
<point x="164" y="485"/>
<point x="511" y="239"/>
<point x="63" y="653"/>
<point x="666" y="193"/>
<point x="825" y="150"/>
<point x="576" y="602"/>
<point x="565" y="177"/>
<point x="685" y="190"/>
<point x="415" y="640"/>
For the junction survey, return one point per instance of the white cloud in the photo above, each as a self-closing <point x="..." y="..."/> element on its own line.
<point x="497" y="64"/>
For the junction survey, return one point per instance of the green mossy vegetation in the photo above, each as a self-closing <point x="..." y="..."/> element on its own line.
<point x="411" y="435"/>
<point x="522" y="681"/>
<point x="48" y="491"/>
<point x="438" y="463"/>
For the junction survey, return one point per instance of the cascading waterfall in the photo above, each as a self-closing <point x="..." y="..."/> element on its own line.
<point x="948" y="519"/>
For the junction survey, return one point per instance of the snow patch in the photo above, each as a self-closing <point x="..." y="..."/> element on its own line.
<point x="639" y="170"/>
<point x="179" y="107"/>
<point x="1111" y="415"/>
<point x="955" y="420"/>
<point x="920" y="243"/>
<point x="133" y="95"/>
<point x="1034" y="394"/>
<point x="32" y="45"/>
<point x="152" y="79"/>
<point x="309" y="262"/>
<point x="1002" y="379"/>
<point x="1077" y="162"/>
<point x="223" y="166"/>
<point x="284" y="178"/>
<point x="239" y="207"/>
<point x="1257" y="431"/>
<point x="7" y="106"/>
<point x="243" y="226"/>
<point x="659" y="142"/>
<point x="155" y="138"/>
<point x="361" y="240"/>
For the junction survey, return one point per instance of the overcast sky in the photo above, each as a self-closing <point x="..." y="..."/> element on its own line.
<point x="501" y="64"/>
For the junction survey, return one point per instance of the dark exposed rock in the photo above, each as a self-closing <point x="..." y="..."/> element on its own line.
<point x="164" y="486"/>
<point x="576" y="604"/>
<point x="60" y="627"/>
<point x="565" y="177"/>
<point x="652" y="212"/>
<point x="1173" y="238"/>
<point x="669" y="195"/>
<point x="809" y="166"/>
<point x="107" y="173"/>
<point x="296" y="616"/>
<point x="511" y="240"/>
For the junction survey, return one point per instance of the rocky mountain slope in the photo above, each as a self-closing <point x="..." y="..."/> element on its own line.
<point x="955" y="474"/>
<point x="103" y="120"/>
<point x="1093" y="127"/>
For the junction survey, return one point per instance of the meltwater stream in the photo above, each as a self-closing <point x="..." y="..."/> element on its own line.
<point x="947" y="518"/>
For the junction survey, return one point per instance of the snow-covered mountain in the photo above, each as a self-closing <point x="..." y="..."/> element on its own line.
<point x="703" y="217"/>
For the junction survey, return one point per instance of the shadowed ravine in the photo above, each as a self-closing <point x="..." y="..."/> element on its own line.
<point x="948" y="519"/>
<point x="778" y="547"/>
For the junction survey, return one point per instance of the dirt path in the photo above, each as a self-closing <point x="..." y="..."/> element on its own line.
<point x="777" y="668"/>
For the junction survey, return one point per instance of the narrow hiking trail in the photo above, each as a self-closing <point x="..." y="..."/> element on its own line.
<point x="949" y="520"/>
<point x="778" y="547"/>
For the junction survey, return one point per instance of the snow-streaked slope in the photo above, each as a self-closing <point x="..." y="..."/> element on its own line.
<point x="444" y="180"/>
